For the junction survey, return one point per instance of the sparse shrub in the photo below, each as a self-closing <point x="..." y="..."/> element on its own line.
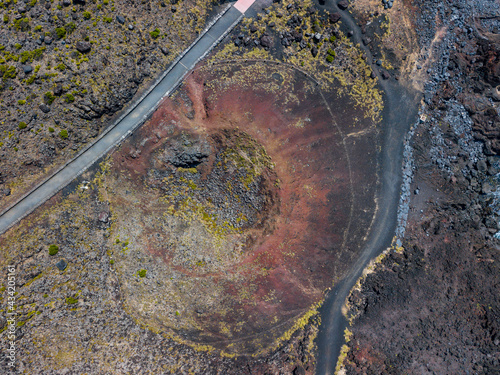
<point x="155" y="33"/>
<point x="329" y="58"/>
<point x="331" y="52"/>
<point x="70" y="27"/>
<point x="142" y="273"/>
<point x="18" y="46"/>
<point x="69" y="98"/>
<point x="22" y="24"/>
<point x="38" y="28"/>
<point x="60" y="32"/>
<point x="49" y="98"/>
<point x="9" y="71"/>
<point x="333" y="38"/>
<point x="21" y="102"/>
<point x="61" y="67"/>
<point x="108" y="19"/>
<point x="51" y="129"/>
<point x="53" y="250"/>
<point x="71" y="300"/>
<point x="6" y="18"/>
<point x="63" y="134"/>
<point x="87" y="15"/>
<point x="22" y="125"/>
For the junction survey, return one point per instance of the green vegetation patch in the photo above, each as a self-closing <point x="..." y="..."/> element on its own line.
<point x="49" y="98"/>
<point x="71" y="300"/>
<point x="63" y="134"/>
<point x="155" y="33"/>
<point x="53" y="250"/>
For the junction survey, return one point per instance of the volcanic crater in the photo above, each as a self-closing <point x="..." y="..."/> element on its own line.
<point x="233" y="204"/>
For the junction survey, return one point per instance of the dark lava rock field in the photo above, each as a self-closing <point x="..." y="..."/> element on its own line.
<point x="431" y="306"/>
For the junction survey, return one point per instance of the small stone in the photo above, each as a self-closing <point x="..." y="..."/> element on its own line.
<point x="482" y="166"/>
<point x="164" y="50"/>
<point x="120" y="19"/>
<point x="486" y="188"/>
<point x="44" y="108"/>
<point x="58" y="90"/>
<point x="66" y="3"/>
<point x="62" y="265"/>
<point x="131" y="27"/>
<point x="48" y="40"/>
<point x="103" y="217"/>
<point x="27" y="69"/>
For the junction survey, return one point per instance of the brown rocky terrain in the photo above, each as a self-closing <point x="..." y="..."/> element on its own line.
<point x="68" y="67"/>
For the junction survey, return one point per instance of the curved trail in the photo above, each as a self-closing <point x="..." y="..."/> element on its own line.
<point x="399" y="113"/>
<point x="131" y="120"/>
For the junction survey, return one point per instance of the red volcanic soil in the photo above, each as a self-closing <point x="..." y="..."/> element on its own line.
<point x="298" y="238"/>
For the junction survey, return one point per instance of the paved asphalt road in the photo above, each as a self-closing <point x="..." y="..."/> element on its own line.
<point x="127" y="124"/>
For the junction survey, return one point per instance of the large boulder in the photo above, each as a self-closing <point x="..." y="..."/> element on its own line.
<point x="266" y="41"/>
<point x="83" y="47"/>
<point x="335" y="17"/>
<point x="343" y="4"/>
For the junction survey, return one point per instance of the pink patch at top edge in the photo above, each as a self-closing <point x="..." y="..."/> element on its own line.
<point x="243" y="5"/>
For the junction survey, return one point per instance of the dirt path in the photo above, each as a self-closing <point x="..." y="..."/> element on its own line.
<point x="399" y="114"/>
